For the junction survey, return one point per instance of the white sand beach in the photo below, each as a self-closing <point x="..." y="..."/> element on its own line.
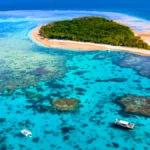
<point x="86" y="46"/>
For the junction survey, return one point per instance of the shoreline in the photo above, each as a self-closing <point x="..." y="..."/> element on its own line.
<point x="87" y="46"/>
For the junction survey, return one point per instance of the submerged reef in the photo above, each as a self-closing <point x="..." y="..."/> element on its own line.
<point x="136" y="104"/>
<point x="139" y="63"/>
<point x="65" y="105"/>
<point x="112" y="80"/>
<point x="25" y="70"/>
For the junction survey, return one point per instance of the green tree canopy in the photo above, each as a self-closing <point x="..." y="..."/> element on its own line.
<point x="93" y="29"/>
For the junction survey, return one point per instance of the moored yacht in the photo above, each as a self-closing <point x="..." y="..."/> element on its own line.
<point x="124" y="124"/>
<point x="26" y="132"/>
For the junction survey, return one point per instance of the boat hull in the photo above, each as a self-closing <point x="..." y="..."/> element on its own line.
<point x="124" y="124"/>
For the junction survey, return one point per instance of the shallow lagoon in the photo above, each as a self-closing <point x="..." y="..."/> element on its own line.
<point x="32" y="75"/>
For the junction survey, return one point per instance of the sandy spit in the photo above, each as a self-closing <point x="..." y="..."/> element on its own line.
<point x="86" y="46"/>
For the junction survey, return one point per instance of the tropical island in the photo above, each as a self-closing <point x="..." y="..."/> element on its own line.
<point x="90" y="33"/>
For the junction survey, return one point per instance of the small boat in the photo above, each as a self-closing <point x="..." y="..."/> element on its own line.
<point x="26" y="132"/>
<point x="124" y="124"/>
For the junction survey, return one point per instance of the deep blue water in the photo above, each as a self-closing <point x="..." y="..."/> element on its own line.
<point x="134" y="7"/>
<point x="32" y="75"/>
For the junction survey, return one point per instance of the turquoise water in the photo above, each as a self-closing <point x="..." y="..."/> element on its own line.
<point x="31" y="76"/>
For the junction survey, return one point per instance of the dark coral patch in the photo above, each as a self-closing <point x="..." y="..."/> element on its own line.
<point x="80" y="72"/>
<point x="112" y="80"/>
<point x="80" y="90"/>
<point x="91" y="140"/>
<point x="66" y="130"/>
<point x="65" y="138"/>
<point x="2" y="120"/>
<point x="3" y="139"/>
<point x="36" y="139"/>
<point x="115" y="145"/>
<point x="136" y="104"/>
<point x="54" y="85"/>
<point x="3" y="147"/>
<point x="65" y="105"/>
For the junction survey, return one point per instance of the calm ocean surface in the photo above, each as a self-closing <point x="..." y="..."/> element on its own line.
<point x="135" y="7"/>
<point x="32" y="75"/>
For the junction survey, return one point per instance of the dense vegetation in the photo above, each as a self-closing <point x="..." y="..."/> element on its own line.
<point x="93" y="29"/>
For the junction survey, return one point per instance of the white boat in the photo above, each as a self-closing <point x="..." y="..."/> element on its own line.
<point x="124" y="124"/>
<point x="26" y="132"/>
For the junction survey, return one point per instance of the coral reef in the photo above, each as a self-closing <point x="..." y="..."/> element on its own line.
<point x="140" y="63"/>
<point x="65" y="105"/>
<point x="18" y="72"/>
<point x="112" y="80"/>
<point x="136" y="104"/>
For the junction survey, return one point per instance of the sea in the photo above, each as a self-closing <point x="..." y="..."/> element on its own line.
<point x="31" y="76"/>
